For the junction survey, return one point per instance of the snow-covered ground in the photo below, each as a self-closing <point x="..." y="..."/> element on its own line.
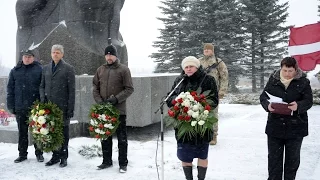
<point x="241" y="154"/>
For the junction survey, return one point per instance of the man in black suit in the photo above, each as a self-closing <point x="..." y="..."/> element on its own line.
<point x="58" y="86"/>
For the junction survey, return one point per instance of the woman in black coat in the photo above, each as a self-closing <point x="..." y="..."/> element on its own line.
<point x="286" y="131"/>
<point x="196" y="147"/>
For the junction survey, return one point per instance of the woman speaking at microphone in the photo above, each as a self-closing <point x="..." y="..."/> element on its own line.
<point x="193" y="77"/>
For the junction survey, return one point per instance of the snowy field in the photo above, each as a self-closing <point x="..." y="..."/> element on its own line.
<point x="241" y="154"/>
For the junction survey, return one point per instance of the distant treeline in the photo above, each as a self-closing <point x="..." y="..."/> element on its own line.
<point x="249" y="35"/>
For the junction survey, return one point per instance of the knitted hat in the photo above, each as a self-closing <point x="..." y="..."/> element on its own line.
<point x="27" y="53"/>
<point x="190" y="61"/>
<point x="208" y="46"/>
<point x="110" y="50"/>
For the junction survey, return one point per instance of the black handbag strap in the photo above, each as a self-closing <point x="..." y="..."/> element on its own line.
<point x="202" y="81"/>
<point x="209" y="68"/>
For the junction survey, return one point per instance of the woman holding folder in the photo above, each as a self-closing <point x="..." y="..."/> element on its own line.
<point x="287" y="122"/>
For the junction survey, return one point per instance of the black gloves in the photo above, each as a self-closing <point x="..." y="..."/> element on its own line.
<point x="44" y="100"/>
<point x="69" y="115"/>
<point x="100" y="102"/>
<point x="113" y="100"/>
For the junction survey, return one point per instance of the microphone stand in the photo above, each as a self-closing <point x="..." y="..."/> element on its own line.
<point x="161" y="120"/>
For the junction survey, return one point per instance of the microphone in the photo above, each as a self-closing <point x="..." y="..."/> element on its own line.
<point x="183" y="77"/>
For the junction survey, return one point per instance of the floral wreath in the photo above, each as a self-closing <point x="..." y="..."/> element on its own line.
<point x="191" y="114"/>
<point x="46" y="125"/>
<point x="4" y="117"/>
<point x="104" y="120"/>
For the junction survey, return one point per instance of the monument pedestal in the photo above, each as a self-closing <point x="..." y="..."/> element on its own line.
<point x="10" y="133"/>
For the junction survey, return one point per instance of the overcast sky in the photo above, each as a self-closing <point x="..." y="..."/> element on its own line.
<point x="138" y="27"/>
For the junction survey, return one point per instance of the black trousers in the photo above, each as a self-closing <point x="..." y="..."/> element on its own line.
<point x="22" y="121"/>
<point x="276" y="149"/>
<point x="122" y="144"/>
<point x="62" y="153"/>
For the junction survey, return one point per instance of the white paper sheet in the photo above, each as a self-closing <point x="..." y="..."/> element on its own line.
<point x="275" y="99"/>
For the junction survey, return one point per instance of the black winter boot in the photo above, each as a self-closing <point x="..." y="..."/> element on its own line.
<point x="63" y="163"/>
<point x="20" y="159"/>
<point x="202" y="172"/>
<point x="40" y="158"/>
<point x="53" y="160"/>
<point x="188" y="172"/>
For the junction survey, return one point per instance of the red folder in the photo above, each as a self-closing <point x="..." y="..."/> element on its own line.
<point x="280" y="108"/>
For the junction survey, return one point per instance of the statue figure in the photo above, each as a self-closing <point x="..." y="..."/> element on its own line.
<point x="83" y="27"/>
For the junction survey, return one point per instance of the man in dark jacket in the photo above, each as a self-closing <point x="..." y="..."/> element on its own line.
<point x="286" y="130"/>
<point x="113" y="83"/>
<point x="22" y="91"/>
<point x="58" y="86"/>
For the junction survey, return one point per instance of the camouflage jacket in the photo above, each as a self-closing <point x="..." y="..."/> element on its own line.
<point x="220" y="73"/>
<point x="318" y="76"/>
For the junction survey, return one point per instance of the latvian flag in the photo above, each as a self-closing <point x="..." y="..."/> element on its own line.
<point x="304" y="45"/>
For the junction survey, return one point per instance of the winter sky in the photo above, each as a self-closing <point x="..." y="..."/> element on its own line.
<point x="139" y="28"/>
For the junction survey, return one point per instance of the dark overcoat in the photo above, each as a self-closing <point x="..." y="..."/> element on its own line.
<point x="192" y="83"/>
<point x="59" y="87"/>
<point x="23" y="86"/>
<point x="299" y="90"/>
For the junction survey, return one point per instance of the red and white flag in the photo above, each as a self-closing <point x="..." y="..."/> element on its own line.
<point x="304" y="45"/>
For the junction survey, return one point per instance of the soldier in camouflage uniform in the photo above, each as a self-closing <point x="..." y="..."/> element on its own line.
<point x="318" y="76"/>
<point x="220" y="73"/>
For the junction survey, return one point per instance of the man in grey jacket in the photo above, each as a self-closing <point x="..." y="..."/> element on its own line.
<point x="58" y="86"/>
<point x="113" y="83"/>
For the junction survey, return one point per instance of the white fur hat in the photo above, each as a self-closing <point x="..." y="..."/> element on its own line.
<point x="190" y="61"/>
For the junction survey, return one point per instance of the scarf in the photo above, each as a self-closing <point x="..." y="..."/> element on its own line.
<point x="284" y="81"/>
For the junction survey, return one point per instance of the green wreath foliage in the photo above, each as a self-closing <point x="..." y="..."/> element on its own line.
<point x="191" y="114"/>
<point x="46" y="125"/>
<point x="104" y="120"/>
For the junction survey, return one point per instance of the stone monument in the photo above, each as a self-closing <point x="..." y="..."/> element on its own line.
<point x="83" y="27"/>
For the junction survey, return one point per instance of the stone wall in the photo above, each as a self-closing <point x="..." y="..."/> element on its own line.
<point x="141" y="105"/>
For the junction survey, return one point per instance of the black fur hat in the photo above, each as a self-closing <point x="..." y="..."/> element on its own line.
<point x="111" y="50"/>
